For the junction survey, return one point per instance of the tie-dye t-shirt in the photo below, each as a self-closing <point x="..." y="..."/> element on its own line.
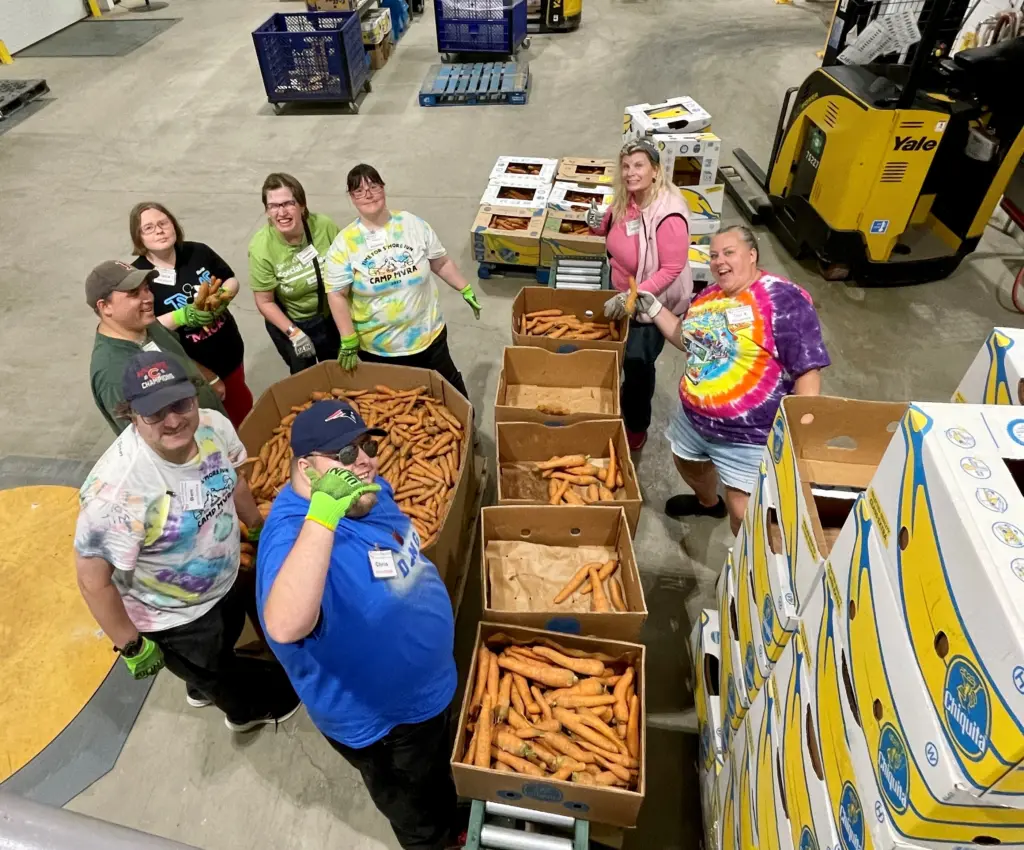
<point x="744" y="352"/>
<point x="386" y="271"/>
<point x="169" y="530"/>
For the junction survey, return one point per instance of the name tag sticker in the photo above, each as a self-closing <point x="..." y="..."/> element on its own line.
<point x="633" y="227"/>
<point x="151" y="346"/>
<point x="375" y="239"/>
<point x="306" y="255"/>
<point x="167" y="277"/>
<point x="382" y="563"/>
<point x="739" y="315"/>
<point x="191" y="495"/>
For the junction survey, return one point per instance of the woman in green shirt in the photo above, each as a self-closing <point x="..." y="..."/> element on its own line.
<point x="286" y="271"/>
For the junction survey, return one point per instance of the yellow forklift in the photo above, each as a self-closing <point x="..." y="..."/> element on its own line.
<point x="894" y="154"/>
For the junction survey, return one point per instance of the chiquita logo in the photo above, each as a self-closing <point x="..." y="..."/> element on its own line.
<point x="965" y="700"/>
<point x="778" y="437"/>
<point x="748" y="667"/>
<point x="892" y="765"/>
<point x="767" y="620"/>
<point x="730" y="699"/>
<point x="705" y="742"/>
<point x="851" y="819"/>
<point x="807" y="840"/>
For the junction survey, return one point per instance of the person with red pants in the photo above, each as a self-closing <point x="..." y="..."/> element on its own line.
<point x="211" y="339"/>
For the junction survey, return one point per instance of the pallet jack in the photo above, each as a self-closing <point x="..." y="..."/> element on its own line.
<point x="888" y="171"/>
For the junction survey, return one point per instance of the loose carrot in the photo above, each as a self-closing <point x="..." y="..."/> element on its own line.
<point x="562" y="487"/>
<point x="501" y="767"/>
<point x="600" y="598"/>
<point x="504" y="696"/>
<point x="536" y="314"/>
<point x="618" y="758"/>
<point x="581" y="480"/>
<point x="493" y="675"/>
<point x="607" y="568"/>
<point x="621" y="706"/>
<point x="563" y="773"/>
<point x="595" y="722"/>
<point x="518" y="706"/>
<point x="606" y="777"/>
<point x="569" y="748"/>
<point x="573" y="498"/>
<point x="582" y="574"/>
<point x="516" y="719"/>
<point x="553" y="677"/>
<point x="609" y="475"/>
<point x="549" y="758"/>
<point x="633" y="727"/>
<point x="618" y="480"/>
<point x="605" y="494"/>
<point x="523" y="689"/>
<point x="605" y="713"/>
<point x="571" y="721"/>
<point x="618" y="598"/>
<point x="581" y="777"/>
<point x="511" y="744"/>
<point x="621" y="730"/>
<point x="543" y="703"/>
<point x="524" y="651"/>
<point x="593" y="494"/>
<point x="592" y="687"/>
<point x="483" y="730"/>
<point x="568" y="460"/>
<point x="634" y="293"/>
<point x="583" y="666"/>
<point x="551" y="725"/>
<point x="520" y="765"/>
<point x="552" y="487"/>
<point x="573" y="701"/>
<point x="482" y="667"/>
<point x="470" y="756"/>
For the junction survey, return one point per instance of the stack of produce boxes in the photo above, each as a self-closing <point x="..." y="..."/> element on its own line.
<point x="680" y="128"/>
<point x="997" y="374"/>
<point x="566" y="234"/>
<point x="872" y="681"/>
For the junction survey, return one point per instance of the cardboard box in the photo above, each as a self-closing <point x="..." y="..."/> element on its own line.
<point x="726" y="793"/>
<point x="587" y="172"/>
<point x="524" y="166"/>
<point x="508" y="235"/>
<point x="689" y="159"/>
<point x="706" y="653"/>
<point x="518" y="442"/>
<point x="376" y="25"/>
<point x="446" y="552"/>
<point x="615" y="806"/>
<point x="734" y="700"/>
<point x="528" y="193"/>
<point x="756" y="665"/>
<point x="585" y="305"/>
<point x="736" y="754"/>
<point x="700" y="264"/>
<point x="567" y="236"/>
<point x="711" y="810"/>
<point x="331" y="5"/>
<point x="832" y="446"/>
<point x="746" y="826"/>
<point x="705" y="205"/>
<point x="675" y="115"/>
<point x="585" y="382"/>
<point x="380" y="53"/>
<point x="577" y="196"/>
<point x="996" y="376"/>
<point x="567" y="526"/>
<point x="764" y="724"/>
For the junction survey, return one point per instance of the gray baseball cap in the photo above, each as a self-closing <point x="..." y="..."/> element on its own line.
<point x="114" y="276"/>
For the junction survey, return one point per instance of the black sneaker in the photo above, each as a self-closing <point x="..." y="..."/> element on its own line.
<point x="687" y="504"/>
<point x="265" y="720"/>
<point x="196" y="698"/>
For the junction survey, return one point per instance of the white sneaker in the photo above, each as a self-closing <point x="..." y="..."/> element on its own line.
<point x="260" y="721"/>
<point x="196" y="698"/>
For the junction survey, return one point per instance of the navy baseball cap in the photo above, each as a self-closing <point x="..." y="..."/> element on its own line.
<point x="152" y="380"/>
<point x="328" y="426"/>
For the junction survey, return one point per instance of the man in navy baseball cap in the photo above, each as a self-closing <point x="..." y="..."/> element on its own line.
<point x="154" y="380"/>
<point x="361" y="621"/>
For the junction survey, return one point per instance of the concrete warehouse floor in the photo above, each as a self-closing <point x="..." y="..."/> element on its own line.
<point x="184" y="121"/>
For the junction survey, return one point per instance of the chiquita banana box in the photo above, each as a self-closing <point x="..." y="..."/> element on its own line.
<point x="710" y="810"/>
<point x="764" y="720"/>
<point x="873" y="708"/>
<point x="754" y="661"/>
<point x="732" y="693"/>
<point x="997" y="374"/>
<point x="823" y="452"/>
<point x="949" y="513"/>
<point x="726" y="805"/>
<point x="811" y="822"/>
<point x="735" y="756"/>
<point x="706" y="652"/>
<point x="746" y="828"/>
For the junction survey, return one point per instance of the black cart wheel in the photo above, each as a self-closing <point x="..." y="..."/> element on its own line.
<point x="446" y="58"/>
<point x="368" y="87"/>
<point x="353" y="107"/>
<point x="278" y="108"/>
<point x="526" y="43"/>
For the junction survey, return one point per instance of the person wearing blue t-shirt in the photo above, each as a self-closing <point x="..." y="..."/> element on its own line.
<point x="362" y="622"/>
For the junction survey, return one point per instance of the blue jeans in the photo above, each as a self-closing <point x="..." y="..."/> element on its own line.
<point x="737" y="464"/>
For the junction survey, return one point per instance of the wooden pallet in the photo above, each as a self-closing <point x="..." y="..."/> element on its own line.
<point x="476" y="84"/>
<point x="16" y="94"/>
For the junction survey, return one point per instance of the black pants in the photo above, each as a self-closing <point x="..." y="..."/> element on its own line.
<point x="436" y="357"/>
<point x="643" y="345"/>
<point x="202" y="653"/>
<point x="322" y="331"/>
<point x="410" y="781"/>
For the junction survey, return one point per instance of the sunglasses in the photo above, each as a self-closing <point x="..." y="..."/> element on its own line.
<point x="348" y="455"/>
<point x="180" y="407"/>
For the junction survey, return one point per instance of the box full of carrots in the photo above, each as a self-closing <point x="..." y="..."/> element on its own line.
<point x="427" y="457"/>
<point x="569" y="569"/>
<point x="587" y="463"/>
<point x="555" y="723"/>
<point x="565" y="320"/>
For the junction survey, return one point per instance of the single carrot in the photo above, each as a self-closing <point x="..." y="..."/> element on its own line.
<point x="568" y="460"/>
<point x="571" y="721"/>
<point x="581" y="575"/>
<point x="618" y="597"/>
<point x="483" y="665"/>
<point x="504" y="696"/>
<point x="595" y="722"/>
<point x="600" y="602"/>
<point x="633" y="727"/>
<point x="562" y="487"/>
<point x="553" y="677"/>
<point x="621" y="688"/>
<point x="607" y="568"/>
<point x="470" y="756"/>
<point x="549" y="758"/>
<point x="520" y="765"/>
<point x="605" y="713"/>
<point x="581" y="777"/>
<point x="523" y="689"/>
<point x="518" y="706"/>
<point x="592" y="687"/>
<point x="516" y="719"/>
<point x="552" y="487"/>
<point x="605" y="495"/>
<point x="551" y="725"/>
<point x="609" y="474"/>
<point x="493" y="675"/>
<point x="606" y="777"/>
<point x="618" y="758"/>
<point x="511" y="744"/>
<point x="536" y="314"/>
<point x="563" y="773"/>
<point x="634" y="293"/>
<point x="561" y="743"/>
<point x="583" y="666"/>
<point x="572" y="497"/>
<point x="586" y="469"/>
<point x="483" y="730"/>
<point x="501" y="767"/>
<point x="593" y="494"/>
<point x="524" y="651"/>
<point x="538" y="698"/>
<point x="620" y="730"/>
<point x="581" y="480"/>
<point x="577" y="701"/>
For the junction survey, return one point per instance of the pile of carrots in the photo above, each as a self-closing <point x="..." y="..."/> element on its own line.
<point x="579" y="480"/>
<point x="545" y="712"/>
<point x="558" y="325"/>
<point x="591" y="579"/>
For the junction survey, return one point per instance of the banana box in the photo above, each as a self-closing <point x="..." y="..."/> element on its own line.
<point x="725" y="793"/>
<point x="578" y="197"/>
<point x="705" y="207"/>
<point x="710" y="810"/>
<point x="513" y="190"/>
<point x="997" y="374"/>
<point x="689" y="159"/>
<point x="524" y="166"/>
<point x="755" y="663"/>
<point x="700" y="263"/>
<point x="675" y="115"/>
<point x="706" y="652"/>
<point x="874" y="717"/>
<point x="764" y="723"/>
<point x="808" y="804"/>
<point x="949" y="513"/>
<point x="746" y="828"/>
<point x="823" y="453"/>
<point x="567" y="237"/>
<point x="508" y="235"/>
<point x="733" y="695"/>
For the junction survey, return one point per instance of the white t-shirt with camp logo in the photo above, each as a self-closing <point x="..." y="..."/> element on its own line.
<point x="386" y="271"/>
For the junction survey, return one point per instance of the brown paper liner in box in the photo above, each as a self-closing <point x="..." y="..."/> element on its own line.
<point x="527" y="576"/>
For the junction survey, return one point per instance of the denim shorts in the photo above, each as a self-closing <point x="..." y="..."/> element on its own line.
<point x="738" y="464"/>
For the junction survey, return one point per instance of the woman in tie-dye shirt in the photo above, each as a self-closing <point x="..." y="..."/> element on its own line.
<point x="751" y="339"/>
<point x="380" y="285"/>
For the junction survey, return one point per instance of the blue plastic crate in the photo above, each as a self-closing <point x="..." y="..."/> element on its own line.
<point x="480" y="26"/>
<point x="307" y="56"/>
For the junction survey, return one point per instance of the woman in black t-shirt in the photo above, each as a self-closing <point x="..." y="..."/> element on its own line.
<point x="211" y="339"/>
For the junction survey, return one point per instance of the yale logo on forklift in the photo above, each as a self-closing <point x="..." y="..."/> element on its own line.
<point x="909" y="143"/>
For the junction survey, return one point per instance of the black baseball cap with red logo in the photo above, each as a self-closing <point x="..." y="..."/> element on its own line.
<point x="328" y="426"/>
<point x="152" y="380"/>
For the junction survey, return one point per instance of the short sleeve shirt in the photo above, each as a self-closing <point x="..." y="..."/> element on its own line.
<point x="169" y="530"/>
<point x="744" y="353"/>
<point x="288" y="270"/>
<point x="394" y="302"/>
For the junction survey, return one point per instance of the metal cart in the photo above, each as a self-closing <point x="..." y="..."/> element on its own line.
<point x="480" y="26"/>
<point x="523" y="829"/>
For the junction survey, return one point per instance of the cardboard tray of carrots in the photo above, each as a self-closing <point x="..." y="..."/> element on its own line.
<point x="583" y="306"/>
<point x="554" y="722"/>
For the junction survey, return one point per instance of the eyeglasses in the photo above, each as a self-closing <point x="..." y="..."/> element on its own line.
<point x="348" y="455"/>
<point x="180" y="407"/>
<point x="368" y="191"/>
<point x="284" y="205"/>
<point x="154" y="226"/>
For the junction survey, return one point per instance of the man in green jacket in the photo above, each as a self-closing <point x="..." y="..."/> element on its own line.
<point x="119" y="294"/>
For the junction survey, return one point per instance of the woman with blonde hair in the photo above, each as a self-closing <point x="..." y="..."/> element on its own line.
<point x="648" y="239"/>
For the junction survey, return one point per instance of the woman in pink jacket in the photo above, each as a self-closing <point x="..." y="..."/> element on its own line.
<point x="648" y="238"/>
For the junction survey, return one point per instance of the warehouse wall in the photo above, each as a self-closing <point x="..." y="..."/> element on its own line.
<point x="24" y="22"/>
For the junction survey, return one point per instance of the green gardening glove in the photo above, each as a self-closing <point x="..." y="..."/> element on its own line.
<point x="147" y="661"/>
<point x="334" y="493"/>
<point x="225" y="302"/>
<point x="469" y="296"/>
<point x="252" y="535"/>
<point x="190" y="316"/>
<point x="348" y="354"/>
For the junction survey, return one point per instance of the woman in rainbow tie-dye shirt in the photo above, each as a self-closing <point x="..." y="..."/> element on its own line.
<point x="751" y="339"/>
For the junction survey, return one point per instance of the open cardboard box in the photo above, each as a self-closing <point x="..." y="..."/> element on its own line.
<point x="567" y="526"/>
<point x="614" y="806"/>
<point x="279" y="398"/>
<point x="508" y="235"/>
<point x="567" y="236"/>
<point x="584" y="383"/>
<point x="529" y="441"/>
<point x="586" y="172"/>
<point x="585" y="305"/>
